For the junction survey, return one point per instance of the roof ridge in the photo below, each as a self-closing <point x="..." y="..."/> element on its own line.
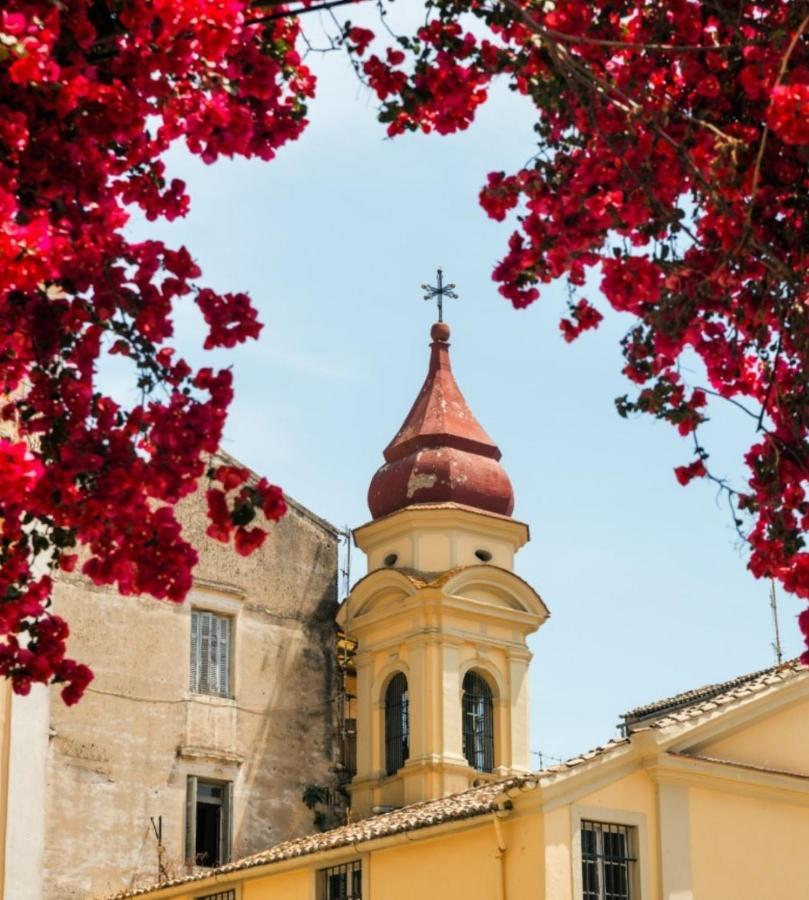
<point x="685" y="700"/>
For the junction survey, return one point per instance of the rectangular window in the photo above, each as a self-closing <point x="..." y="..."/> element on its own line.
<point x="341" y="882"/>
<point x="222" y="895"/>
<point x="607" y="860"/>
<point x="210" y="653"/>
<point x="209" y="814"/>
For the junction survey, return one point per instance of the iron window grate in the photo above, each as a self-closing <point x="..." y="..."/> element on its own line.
<point x="397" y="724"/>
<point x="342" y="882"/>
<point x="478" y="722"/>
<point x="222" y="895"/>
<point x="607" y="861"/>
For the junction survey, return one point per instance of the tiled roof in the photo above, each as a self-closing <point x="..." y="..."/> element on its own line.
<point x="691" y="703"/>
<point x="474" y="802"/>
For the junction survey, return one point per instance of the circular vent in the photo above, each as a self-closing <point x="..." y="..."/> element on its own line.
<point x="391" y="559"/>
<point x="483" y="555"/>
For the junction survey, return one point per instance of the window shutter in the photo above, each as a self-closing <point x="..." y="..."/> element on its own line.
<point x="194" y="682"/>
<point x="224" y="656"/>
<point x="226" y="835"/>
<point x="191" y="820"/>
<point x="204" y="678"/>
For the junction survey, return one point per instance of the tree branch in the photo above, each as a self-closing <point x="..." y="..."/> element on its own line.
<point x="299" y="11"/>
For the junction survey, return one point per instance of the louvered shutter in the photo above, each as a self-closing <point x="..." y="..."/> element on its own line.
<point x="224" y="656"/>
<point x="195" y="666"/>
<point x="204" y="682"/>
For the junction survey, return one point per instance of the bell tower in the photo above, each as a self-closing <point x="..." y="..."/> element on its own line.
<point x="441" y="619"/>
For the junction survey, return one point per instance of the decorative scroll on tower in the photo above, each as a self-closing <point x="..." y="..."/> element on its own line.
<point x="441" y="620"/>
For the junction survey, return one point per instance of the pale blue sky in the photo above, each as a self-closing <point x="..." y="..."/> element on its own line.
<point x="648" y="592"/>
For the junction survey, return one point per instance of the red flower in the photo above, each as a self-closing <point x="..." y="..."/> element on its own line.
<point x="696" y="469"/>
<point x="249" y="539"/>
<point x="789" y="113"/>
<point x="360" y="38"/>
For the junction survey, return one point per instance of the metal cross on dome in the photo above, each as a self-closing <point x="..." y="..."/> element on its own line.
<point x="443" y="290"/>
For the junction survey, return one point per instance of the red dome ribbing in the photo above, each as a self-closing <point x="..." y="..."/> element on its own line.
<point x="441" y="453"/>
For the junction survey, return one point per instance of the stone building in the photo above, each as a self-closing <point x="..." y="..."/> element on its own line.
<point x="204" y="723"/>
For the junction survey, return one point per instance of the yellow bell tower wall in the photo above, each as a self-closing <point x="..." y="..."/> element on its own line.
<point x="464" y="614"/>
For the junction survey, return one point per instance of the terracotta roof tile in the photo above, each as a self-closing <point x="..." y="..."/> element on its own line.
<point x="691" y="703"/>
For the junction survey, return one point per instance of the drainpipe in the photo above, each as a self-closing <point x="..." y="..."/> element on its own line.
<point x="501" y="812"/>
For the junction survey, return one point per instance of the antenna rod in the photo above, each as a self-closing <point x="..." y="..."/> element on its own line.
<point x="779" y="656"/>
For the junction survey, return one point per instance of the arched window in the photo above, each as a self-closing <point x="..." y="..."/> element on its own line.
<point x="397" y="724"/>
<point x="478" y="722"/>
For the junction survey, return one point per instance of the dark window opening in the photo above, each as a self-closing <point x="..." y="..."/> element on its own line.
<point x="208" y="818"/>
<point x="483" y="555"/>
<point x="209" y="834"/>
<point x="607" y="861"/>
<point x="222" y="895"/>
<point x="342" y="882"/>
<point x="397" y="724"/>
<point x="478" y="722"/>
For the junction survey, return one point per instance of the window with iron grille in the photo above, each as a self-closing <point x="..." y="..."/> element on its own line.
<point x="210" y="653"/>
<point x="222" y="895"/>
<point x="397" y="724"/>
<point x="607" y="861"/>
<point x="341" y="882"/>
<point x="478" y="722"/>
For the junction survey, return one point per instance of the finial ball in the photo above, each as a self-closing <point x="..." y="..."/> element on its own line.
<point x="440" y="332"/>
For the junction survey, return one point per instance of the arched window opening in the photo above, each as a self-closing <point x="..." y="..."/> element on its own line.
<point x="397" y="724"/>
<point x="478" y="722"/>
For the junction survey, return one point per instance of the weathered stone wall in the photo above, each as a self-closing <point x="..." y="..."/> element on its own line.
<point x="123" y="754"/>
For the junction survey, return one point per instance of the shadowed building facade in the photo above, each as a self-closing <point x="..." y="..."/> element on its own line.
<point x="202" y="726"/>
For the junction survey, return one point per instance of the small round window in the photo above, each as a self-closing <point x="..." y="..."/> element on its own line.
<point x="391" y="559"/>
<point x="483" y="555"/>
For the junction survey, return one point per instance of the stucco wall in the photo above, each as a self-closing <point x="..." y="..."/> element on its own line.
<point x="746" y="847"/>
<point x="123" y="754"/>
<point x="778" y="742"/>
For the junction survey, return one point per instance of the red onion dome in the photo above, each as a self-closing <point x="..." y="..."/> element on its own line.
<point x="441" y="454"/>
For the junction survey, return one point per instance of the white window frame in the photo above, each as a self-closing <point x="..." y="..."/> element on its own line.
<point x="641" y="888"/>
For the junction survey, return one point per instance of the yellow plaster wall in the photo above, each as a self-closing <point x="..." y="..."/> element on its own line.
<point x="462" y="865"/>
<point x="745" y="848"/>
<point x="778" y="741"/>
<point x="525" y="866"/>
<point x="557" y="855"/>
<point x="283" y="886"/>
<point x="634" y="793"/>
